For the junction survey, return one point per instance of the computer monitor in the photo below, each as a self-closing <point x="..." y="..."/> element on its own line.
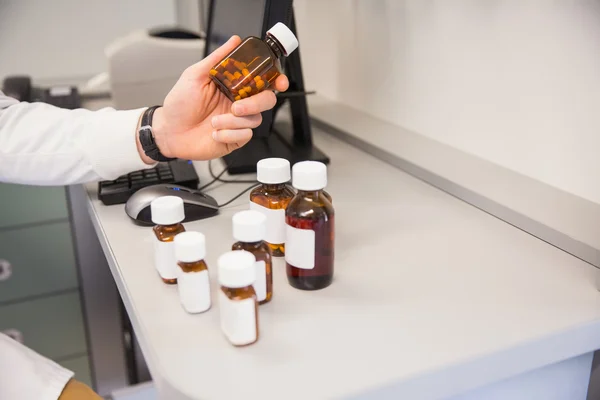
<point x="291" y="141"/>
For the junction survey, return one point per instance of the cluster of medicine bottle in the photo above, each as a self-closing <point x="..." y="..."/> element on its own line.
<point x="298" y="225"/>
<point x="244" y="274"/>
<point x="280" y="222"/>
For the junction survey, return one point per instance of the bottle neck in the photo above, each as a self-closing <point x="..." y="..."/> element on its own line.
<point x="170" y="228"/>
<point x="251" y="245"/>
<point x="274" y="187"/>
<point x="275" y="46"/>
<point x="310" y="193"/>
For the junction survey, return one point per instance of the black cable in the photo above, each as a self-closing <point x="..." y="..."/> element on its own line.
<point x="218" y="177"/>
<point x="237" y="196"/>
<point x="214" y="178"/>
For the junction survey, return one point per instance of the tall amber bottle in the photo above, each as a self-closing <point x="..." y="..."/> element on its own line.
<point x="249" y="231"/>
<point x="309" y="221"/>
<point x="167" y="213"/>
<point x="253" y="66"/>
<point x="271" y="198"/>
<point x="237" y="300"/>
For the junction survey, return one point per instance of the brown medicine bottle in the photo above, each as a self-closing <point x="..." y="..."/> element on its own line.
<point x="271" y="198"/>
<point x="249" y="231"/>
<point x="193" y="283"/>
<point x="167" y="213"/>
<point x="309" y="218"/>
<point x="237" y="300"/>
<point x="253" y="66"/>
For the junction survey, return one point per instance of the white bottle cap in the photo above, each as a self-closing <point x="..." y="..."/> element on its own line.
<point x="167" y="210"/>
<point x="249" y="226"/>
<point x="285" y="37"/>
<point x="236" y="269"/>
<point x="190" y="246"/>
<point x="273" y="170"/>
<point x="309" y="175"/>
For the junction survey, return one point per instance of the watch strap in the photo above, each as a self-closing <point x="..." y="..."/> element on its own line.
<point x="147" y="137"/>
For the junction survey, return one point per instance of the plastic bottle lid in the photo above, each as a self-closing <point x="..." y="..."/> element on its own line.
<point x="285" y="37"/>
<point x="167" y="210"/>
<point x="309" y="175"/>
<point x="273" y="170"/>
<point x="249" y="226"/>
<point x="236" y="269"/>
<point x="190" y="246"/>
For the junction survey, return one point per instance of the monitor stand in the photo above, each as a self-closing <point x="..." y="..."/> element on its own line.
<point x="278" y="144"/>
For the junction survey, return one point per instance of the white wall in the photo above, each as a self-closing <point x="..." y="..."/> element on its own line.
<point x="515" y="82"/>
<point x="66" y="38"/>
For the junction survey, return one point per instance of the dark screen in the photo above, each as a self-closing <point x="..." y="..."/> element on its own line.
<point x="234" y="17"/>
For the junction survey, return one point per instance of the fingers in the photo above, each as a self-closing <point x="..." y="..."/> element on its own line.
<point x="230" y="121"/>
<point x="281" y="83"/>
<point x="233" y="136"/>
<point x="202" y="67"/>
<point x="255" y="104"/>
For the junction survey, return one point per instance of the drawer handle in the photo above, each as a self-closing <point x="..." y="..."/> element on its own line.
<point x="5" y="270"/>
<point x="14" y="334"/>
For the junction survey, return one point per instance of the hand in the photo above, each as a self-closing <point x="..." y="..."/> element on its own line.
<point x="198" y="122"/>
<point x="75" y="390"/>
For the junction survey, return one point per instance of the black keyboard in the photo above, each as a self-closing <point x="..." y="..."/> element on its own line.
<point x="178" y="172"/>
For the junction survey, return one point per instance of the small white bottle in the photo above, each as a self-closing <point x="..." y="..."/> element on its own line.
<point x="193" y="282"/>
<point x="237" y="300"/>
<point x="167" y="213"/>
<point x="249" y="230"/>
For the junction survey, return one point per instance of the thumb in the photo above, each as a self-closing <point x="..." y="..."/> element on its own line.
<point x="202" y="67"/>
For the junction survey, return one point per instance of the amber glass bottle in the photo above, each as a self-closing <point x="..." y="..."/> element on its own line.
<point x="309" y="221"/>
<point x="253" y="66"/>
<point x="167" y="213"/>
<point x="237" y="299"/>
<point x="271" y="198"/>
<point x="193" y="284"/>
<point x="249" y="231"/>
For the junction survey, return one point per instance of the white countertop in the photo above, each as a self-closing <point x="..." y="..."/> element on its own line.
<point x="431" y="297"/>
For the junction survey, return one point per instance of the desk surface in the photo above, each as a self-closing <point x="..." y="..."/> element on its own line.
<point x="432" y="297"/>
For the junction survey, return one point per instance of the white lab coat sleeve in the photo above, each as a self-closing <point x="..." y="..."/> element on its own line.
<point x="44" y="145"/>
<point x="25" y="375"/>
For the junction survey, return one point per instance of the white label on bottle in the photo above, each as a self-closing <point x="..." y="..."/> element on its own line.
<point x="300" y="247"/>
<point x="164" y="259"/>
<point x="260" y="285"/>
<point x="194" y="291"/>
<point x="238" y="319"/>
<point x="275" y="223"/>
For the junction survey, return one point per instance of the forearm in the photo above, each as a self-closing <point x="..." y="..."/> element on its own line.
<point x="44" y="145"/>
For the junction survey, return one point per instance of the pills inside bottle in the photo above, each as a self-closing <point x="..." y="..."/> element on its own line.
<point x="309" y="218"/>
<point x="249" y="230"/>
<point x="271" y="198"/>
<point x="254" y="65"/>
<point x="193" y="283"/>
<point x="167" y="213"/>
<point x="237" y="300"/>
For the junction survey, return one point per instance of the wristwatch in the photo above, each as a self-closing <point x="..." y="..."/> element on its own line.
<point x="147" y="137"/>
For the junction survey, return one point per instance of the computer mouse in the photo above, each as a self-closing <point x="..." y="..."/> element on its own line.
<point x="197" y="205"/>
